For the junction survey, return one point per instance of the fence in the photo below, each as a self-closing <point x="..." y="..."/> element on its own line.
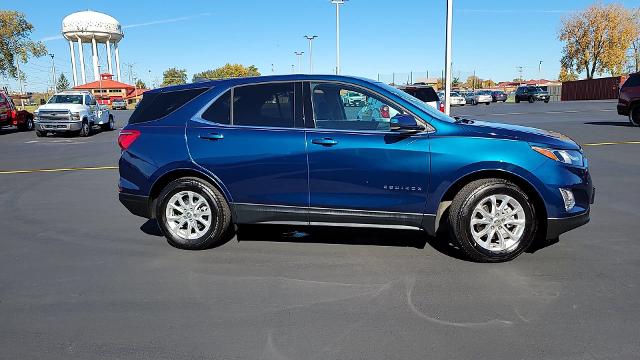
<point x="592" y="89"/>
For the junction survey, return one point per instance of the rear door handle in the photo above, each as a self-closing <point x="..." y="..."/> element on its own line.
<point x="212" y="136"/>
<point x="325" y="142"/>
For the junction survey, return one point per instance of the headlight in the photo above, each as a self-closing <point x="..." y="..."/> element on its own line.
<point x="569" y="157"/>
<point x="75" y="116"/>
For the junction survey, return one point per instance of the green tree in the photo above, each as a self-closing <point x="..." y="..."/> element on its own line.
<point x="15" y="43"/>
<point x="228" y="71"/>
<point x="174" y="76"/>
<point x="140" y="84"/>
<point x="63" y="83"/>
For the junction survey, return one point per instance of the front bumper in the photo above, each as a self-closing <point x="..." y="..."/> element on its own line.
<point x="136" y="204"/>
<point x="555" y="227"/>
<point x="623" y="109"/>
<point x="542" y="97"/>
<point x="58" y="125"/>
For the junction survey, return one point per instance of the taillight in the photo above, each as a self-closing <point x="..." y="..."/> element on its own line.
<point x="127" y="137"/>
<point x="442" y="107"/>
<point x="384" y="111"/>
<point x="12" y="114"/>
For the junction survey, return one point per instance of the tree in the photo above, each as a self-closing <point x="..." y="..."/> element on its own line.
<point x="596" y="40"/>
<point x="488" y="83"/>
<point x="63" y="83"/>
<point x="473" y="82"/>
<point x="141" y="85"/>
<point x="566" y="75"/>
<point x="455" y="82"/>
<point x="15" y="43"/>
<point x="174" y="76"/>
<point x="228" y="71"/>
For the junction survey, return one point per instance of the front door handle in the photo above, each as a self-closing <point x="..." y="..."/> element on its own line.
<point x="212" y="136"/>
<point x="325" y="142"/>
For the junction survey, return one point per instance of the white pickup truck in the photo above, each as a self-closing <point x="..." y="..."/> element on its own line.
<point x="72" y="111"/>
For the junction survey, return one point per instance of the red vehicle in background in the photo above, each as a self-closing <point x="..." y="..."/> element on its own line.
<point x="629" y="100"/>
<point x="11" y="116"/>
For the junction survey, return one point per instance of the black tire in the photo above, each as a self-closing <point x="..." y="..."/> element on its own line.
<point x="85" y="130"/>
<point x="218" y="233"/>
<point x="462" y="208"/>
<point x="532" y="99"/>
<point x="27" y="126"/>
<point x="517" y="100"/>
<point x="487" y="103"/>
<point x="634" y="115"/>
<point x="546" y="101"/>
<point x="110" y="125"/>
<point x="41" y="133"/>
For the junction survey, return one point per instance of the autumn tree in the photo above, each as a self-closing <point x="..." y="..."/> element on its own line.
<point x="140" y="84"/>
<point x="174" y="76"/>
<point x="567" y="75"/>
<point x="596" y="40"/>
<point x="63" y="83"/>
<point x="228" y="71"/>
<point x="15" y="43"/>
<point x="473" y="82"/>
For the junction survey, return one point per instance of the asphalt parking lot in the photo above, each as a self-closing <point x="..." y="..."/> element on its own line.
<point x="81" y="278"/>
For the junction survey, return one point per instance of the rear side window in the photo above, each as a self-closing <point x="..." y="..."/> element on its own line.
<point x="633" y="80"/>
<point x="220" y="111"/>
<point x="269" y="105"/>
<point x="155" y="106"/>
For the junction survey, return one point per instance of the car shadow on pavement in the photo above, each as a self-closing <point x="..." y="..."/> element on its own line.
<point x="609" y="123"/>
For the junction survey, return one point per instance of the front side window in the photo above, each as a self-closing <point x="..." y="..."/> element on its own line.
<point x="336" y="106"/>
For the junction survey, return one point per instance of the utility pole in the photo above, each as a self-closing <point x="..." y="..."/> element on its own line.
<point x="273" y="69"/>
<point x="310" y="38"/>
<point x="473" y="83"/>
<point x="520" y="68"/>
<point x="131" y="77"/>
<point x="540" y="69"/>
<point x="338" y="3"/>
<point x="447" y="58"/>
<point x="53" y="71"/>
<point x="299" y="56"/>
<point x="293" y="68"/>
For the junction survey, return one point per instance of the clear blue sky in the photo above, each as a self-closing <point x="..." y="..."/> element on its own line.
<point x="490" y="37"/>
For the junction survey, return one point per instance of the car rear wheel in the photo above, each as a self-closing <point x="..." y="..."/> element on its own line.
<point x="634" y="115"/>
<point x="41" y="133"/>
<point x="193" y="215"/>
<point x="28" y="125"/>
<point x="109" y="126"/>
<point x="493" y="220"/>
<point x="532" y="99"/>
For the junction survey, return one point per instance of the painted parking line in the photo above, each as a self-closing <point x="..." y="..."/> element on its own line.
<point x="6" y="172"/>
<point x="612" y="143"/>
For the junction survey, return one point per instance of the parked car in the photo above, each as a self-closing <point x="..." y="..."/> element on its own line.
<point x="74" y="112"/>
<point x="455" y="98"/>
<point x="203" y="157"/>
<point x="424" y="93"/>
<point x="629" y="99"/>
<point x="531" y="94"/>
<point x="499" y="96"/>
<point x="352" y="98"/>
<point x="11" y="116"/>
<point x="118" y="104"/>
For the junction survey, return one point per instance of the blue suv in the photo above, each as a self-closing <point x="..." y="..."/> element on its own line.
<point x="203" y="157"/>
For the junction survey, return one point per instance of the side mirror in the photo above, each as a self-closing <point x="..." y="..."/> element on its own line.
<point x="406" y="123"/>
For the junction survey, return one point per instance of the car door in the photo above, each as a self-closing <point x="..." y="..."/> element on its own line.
<point x="248" y="140"/>
<point x="360" y="171"/>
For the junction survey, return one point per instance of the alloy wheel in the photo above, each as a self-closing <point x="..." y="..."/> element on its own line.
<point x="498" y="223"/>
<point x="188" y="215"/>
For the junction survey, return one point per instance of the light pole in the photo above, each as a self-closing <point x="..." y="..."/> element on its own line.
<point x="310" y="38"/>
<point x="53" y="69"/>
<point x="540" y="69"/>
<point x="299" y="56"/>
<point x="447" y="59"/>
<point x="338" y="3"/>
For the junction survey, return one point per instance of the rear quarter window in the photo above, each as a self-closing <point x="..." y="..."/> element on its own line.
<point x="155" y="106"/>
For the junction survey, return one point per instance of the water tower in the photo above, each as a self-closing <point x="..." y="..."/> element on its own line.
<point x="97" y="28"/>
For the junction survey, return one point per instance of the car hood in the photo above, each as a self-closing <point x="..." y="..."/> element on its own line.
<point x="72" y="107"/>
<point x="522" y="133"/>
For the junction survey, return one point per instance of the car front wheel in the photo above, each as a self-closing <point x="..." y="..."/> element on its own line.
<point x="193" y="215"/>
<point x="634" y="116"/>
<point x="493" y="220"/>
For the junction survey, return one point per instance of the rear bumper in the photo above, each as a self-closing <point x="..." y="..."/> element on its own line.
<point x="555" y="227"/>
<point x="136" y="204"/>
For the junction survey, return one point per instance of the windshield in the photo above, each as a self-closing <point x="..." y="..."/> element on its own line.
<point x="483" y="92"/>
<point x="66" y="99"/>
<point x="417" y="103"/>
